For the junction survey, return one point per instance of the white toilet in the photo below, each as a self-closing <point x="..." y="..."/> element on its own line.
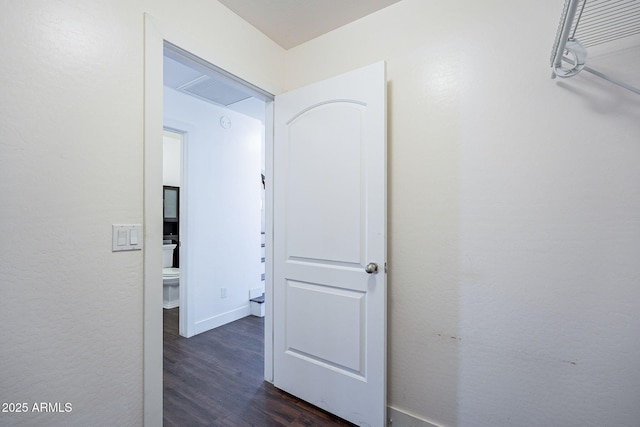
<point x="170" y="278"/>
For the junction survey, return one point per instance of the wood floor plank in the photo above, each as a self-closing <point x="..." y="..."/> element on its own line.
<point x="216" y="379"/>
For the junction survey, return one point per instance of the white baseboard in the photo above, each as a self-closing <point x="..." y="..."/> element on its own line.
<point x="400" y="418"/>
<point x="221" y="319"/>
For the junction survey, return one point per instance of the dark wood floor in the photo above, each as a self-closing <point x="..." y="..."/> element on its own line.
<point x="216" y="379"/>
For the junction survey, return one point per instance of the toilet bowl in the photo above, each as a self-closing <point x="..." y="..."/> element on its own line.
<point x="170" y="278"/>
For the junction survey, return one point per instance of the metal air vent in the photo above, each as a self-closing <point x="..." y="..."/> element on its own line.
<point x="208" y="89"/>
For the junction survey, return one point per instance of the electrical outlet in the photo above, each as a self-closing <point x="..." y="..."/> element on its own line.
<point x="223" y="292"/>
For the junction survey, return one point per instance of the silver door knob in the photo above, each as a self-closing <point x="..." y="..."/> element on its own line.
<point x="371" y="268"/>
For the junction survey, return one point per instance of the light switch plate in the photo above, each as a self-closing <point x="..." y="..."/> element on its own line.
<point x="126" y="237"/>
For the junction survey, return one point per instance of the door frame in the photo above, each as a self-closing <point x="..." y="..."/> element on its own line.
<point x="154" y="44"/>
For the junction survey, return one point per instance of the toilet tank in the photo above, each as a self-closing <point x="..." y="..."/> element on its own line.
<point x="167" y="255"/>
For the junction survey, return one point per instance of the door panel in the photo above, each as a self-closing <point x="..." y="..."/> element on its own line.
<point x="311" y="332"/>
<point x="325" y="134"/>
<point x="329" y="223"/>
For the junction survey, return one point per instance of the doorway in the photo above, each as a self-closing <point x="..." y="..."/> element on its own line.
<point x="220" y="220"/>
<point x="360" y="95"/>
<point x="223" y="125"/>
<point x="155" y="50"/>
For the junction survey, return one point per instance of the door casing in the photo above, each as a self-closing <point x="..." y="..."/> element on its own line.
<point x="154" y="43"/>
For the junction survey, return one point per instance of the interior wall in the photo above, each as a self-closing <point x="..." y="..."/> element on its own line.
<point x="514" y="216"/>
<point x="222" y="210"/>
<point x="71" y="137"/>
<point x="171" y="159"/>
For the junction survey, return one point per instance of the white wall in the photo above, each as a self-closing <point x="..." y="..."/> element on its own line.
<point x="514" y="209"/>
<point x="71" y="138"/>
<point x="171" y="158"/>
<point x="222" y="212"/>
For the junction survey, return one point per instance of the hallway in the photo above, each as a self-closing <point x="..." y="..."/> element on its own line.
<point x="216" y="379"/>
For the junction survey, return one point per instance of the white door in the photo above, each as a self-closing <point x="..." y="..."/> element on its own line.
<point x="329" y="225"/>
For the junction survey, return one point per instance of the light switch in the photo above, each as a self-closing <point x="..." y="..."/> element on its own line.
<point x="133" y="236"/>
<point x="126" y="237"/>
<point x="122" y="236"/>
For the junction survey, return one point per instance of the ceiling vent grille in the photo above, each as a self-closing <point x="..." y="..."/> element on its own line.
<point x="208" y="89"/>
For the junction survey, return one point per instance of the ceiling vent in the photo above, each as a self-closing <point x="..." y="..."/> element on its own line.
<point x="209" y="89"/>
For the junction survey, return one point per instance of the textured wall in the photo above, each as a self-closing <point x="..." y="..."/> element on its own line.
<point x="71" y="138"/>
<point x="514" y="211"/>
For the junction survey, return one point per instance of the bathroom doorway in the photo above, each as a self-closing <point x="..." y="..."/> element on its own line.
<point x="222" y="168"/>
<point x="173" y="146"/>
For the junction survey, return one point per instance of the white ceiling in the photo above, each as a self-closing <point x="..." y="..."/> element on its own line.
<point x="292" y="22"/>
